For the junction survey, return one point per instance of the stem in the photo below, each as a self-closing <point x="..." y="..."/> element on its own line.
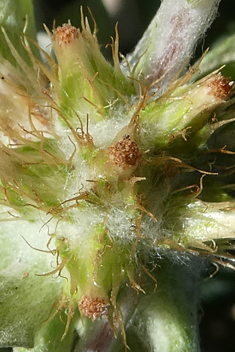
<point x="170" y="40"/>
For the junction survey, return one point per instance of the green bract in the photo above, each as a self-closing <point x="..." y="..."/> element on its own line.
<point x="116" y="185"/>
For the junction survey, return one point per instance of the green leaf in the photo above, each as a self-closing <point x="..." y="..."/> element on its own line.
<point x="49" y="337"/>
<point x="14" y="15"/>
<point x="26" y="297"/>
<point x="222" y="53"/>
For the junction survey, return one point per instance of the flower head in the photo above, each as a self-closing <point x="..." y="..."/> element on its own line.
<point x="108" y="173"/>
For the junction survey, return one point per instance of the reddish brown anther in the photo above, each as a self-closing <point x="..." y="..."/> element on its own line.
<point x="220" y="86"/>
<point x="93" y="308"/>
<point x="66" y="34"/>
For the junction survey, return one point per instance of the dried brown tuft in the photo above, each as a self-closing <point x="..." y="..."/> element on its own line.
<point x="66" y="34"/>
<point x="220" y="86"/>
<point x="124" y="152"/>
<point x="93" y="308"/>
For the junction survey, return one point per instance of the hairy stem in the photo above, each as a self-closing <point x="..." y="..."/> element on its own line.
<point x="170" y="40"/>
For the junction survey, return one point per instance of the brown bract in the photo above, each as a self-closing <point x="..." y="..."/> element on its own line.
<point x="93" y="308"/>
<point x="220" y="86"/>
<point x="66" y="34"/>
<point x="124" y="152"/>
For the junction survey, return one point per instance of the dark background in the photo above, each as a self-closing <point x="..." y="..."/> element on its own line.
<point x="217" y="312"/>
<point x="132" y="18"/>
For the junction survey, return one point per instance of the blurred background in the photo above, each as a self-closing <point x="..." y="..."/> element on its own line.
<point x="217" y="310"/>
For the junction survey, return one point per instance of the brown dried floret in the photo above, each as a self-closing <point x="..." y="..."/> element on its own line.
<point x="220" y="86"/>
<point x="124" y="152"/>
<point x="93" y="308"/>
<point x="66" y="34"/>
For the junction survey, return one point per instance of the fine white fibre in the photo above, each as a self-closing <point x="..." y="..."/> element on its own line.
<point x="102" y="131"/>
<point x="170" y="39"/>
<point x="82" y="226"/>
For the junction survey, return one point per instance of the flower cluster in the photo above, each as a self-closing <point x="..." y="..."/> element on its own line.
<point x="116" y="186"/>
